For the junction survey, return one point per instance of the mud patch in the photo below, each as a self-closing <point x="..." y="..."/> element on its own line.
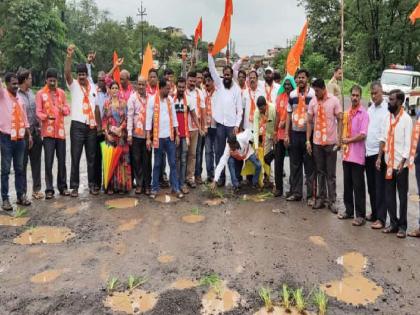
<point x="166" y="198"/>
<point x="354" y="288"/>
<point x="193" y="218"/>
<point x="128" y="225"/>
<point x="166" y="259"/>
<point x="47" y="276"/>
<point x="215" y="302"/>
<point x="215" y="202"/>
<point x="318" y="240"/>
<point x="182" y="284"/>
<point x="37" y="251"/>
<point x="130" y="303"/>
<point x="176" y="302"/>
<point x="76" y="209"/>
<point x="256" y="198"/>
<point x="6" y="220"/>
<point x="122" y="203"/>
<point x="58" y="205"/>
<point x="44" y="235"/>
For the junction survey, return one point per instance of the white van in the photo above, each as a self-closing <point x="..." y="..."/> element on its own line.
<point x="405" y="80"/>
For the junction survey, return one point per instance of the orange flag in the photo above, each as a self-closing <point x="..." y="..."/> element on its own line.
<point x="116" y="74"/>
<point x="293" y="59"/>
<point x="223" y="36"/>
<point x="415" y="14"/>
<point x="147" y="62"/>
<point x="198" y="32"/>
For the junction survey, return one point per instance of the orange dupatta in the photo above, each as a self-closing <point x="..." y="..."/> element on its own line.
<point x="414" y="141"/>
<point x="268" y="93"/>
<point x="208" y="108"/>
<point x="299" y="116"/>
<point x="253" y="106"/>
<point x="156" y="120"/>
<point x="350" y="114"/>
<point x="320" y="134"/>
<point x="87" y="110"/>
<point x="390" y="143"/>
<point x="139" y="130"/>
<point x="50" y="130"/>
<point x="18" y="129"/>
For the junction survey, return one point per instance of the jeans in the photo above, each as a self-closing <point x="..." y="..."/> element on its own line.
<point x="34" y="156"/>
<point x="142" y="163"/>
<point x="399" y="182"/>
<point x="376" y="187"/>
<point x="235" y="171"/>
<point x="354" y="189"/>
<point x="199" y="156"/>
<point x="98" y="161"/>
<point x="418" y="184"/>
<point x="169" y="147"/>
<point x="325" y="168"/>
<point x="82" y="136"/>
<point x="181" y="161"/>
<point x="210" y="144"/>
<point x="12" y="151"/>
<point x="279" y="155"/>
<point x="192" y="151"/>
<point x="222" y="132"/>
<point x="57" y="146"/>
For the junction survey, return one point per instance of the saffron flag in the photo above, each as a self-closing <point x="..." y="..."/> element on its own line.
<point x="293" y="59"/>
<point x="415" y="14"/>
<point x="198" y="32"/>
<point x="116" y="74"/>
<point x="147" y="62"/>
<point x="223" y="36"/>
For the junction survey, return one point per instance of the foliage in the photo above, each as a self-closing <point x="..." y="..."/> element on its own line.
<point x="299" y="300"/>
<point x="285" y="296"/>
<point x="134" y="282"/>
<point x="321" y="301"/>
<point x="265" y="295"/>
<point x="111" y="285"/>
<point x="213" y="280"/>
<point x="20" y="213"/>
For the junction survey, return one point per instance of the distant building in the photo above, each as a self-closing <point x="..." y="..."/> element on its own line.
<point x="173" y="31"/>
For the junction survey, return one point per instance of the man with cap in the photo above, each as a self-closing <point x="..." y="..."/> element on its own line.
<point x="83" y="129"/>
<point x="269" y="87"/>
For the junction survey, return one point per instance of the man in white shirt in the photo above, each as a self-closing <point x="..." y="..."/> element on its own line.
<point x="238" y="148"/>
<point x="227" y="107"/>
<point x="378" y="112"/>
<point x="161" y="116"/>
<point x="83" y="128"/>
<point x="396" y="143"/>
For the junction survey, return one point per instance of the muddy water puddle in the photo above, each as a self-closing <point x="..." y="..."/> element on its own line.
<point x="166" y="259"/>
<point x="215" y="302"/>
<point x="6" y="220"/>
<point x="354" y="288"/>
<point x="193" y="218"/>
<point x="183" y="284"/>
<point x="138" y="301"/>
<point x="122" y="203"/>
<point x="47" y="276"/>
<point x="165" y="198"/>
<point x="44" y="235"/>
<point x="76" y="209"/>
<point x="128" y="225"/>
<point x="215" y="202"/>
<point x="256" y="198"/>
<point x="318" y="240"/>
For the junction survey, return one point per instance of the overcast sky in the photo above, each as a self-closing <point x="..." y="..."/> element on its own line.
<point x="256" y="24"/>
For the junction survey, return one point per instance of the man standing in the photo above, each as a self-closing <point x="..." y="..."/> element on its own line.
<point x="169" y="75"/>
<point x="51" y="108"/>
<point x="269" y="86"/>
<point x="251" y="95"/>
<point x="324" y="113"/>
<point x="27" y="97"/>
<point x="396" y="143"/>
<point x="333" y="86"/>
<point x="83" y="130"/>
<point x="201" y="142"/>
<point x="356" y="123"/>
<point x="136" y="132"/>
<point x="378" y="112"/>
<point x="227" y="108"/>
<point x="210" y="139"/>
<point x="126" y="87"/>
<point x="296" y="137"/>
<point x="13" y="128"/>
<point x="162" y="116"/>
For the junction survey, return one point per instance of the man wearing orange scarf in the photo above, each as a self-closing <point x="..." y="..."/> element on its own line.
<point x="396" y="144"/>
<point x="325" y="114"/>
<point x="83" y="129"/>
<point x="13" y="128"/>
<point x="354" y="154"/>
<point x="210" y="140"/>
<point x="51" y="108"/>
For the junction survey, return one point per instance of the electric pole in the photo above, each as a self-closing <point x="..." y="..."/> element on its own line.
<point x="142" y="14"/>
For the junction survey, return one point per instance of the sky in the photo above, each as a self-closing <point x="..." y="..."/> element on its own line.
<point x="257" y="25"/>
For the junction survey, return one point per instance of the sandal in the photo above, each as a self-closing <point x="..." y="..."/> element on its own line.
<point x="152" y="195"/>
<point x="414" y="233"/>
<point x="23" y="201"/>
<point x="377" y="225"/>
<point x="344" y="216"/>
<point x="74" y="193"/>
<point x="401" y="234"/>
<point x="358" y="222"/>
<point x="390" y="229"/>
<point x="49" y="195"/>
<point x="110" y="192"/>
<point x="138" y="191"/>
<point x="37" y="195"/>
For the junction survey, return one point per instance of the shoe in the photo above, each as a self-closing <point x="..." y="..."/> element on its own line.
<point x="390" y="229"/>
<point x="49" y="195"/>
<point x="414" y="233"/>
<point x="164" y="183"/>
<point x="65" y="192"/>
<point x="235" y="190"/>
<point x="185" y="190"/>
<point x="278" y="193"/>
<point x="191" y="184"/>
<point x="210" y="180"/>
<point x="93" y="191"/>
<point x="358" y="221"/>
<point x="147" y="192"/>
<point x="401" y="234"/>
<point x="370" y="218"/>
<point x="288" y="194"/>
<point x="23" y="201"/>
<point x="319" y="204"/>
<point x="153" y="195"/>
<point x="294" y="198"/>
<point x="377" y="225"/>
<point x="221" y="183"/>
<point x="138" y="191"/>
<point x="344" y="216"/>
<point x="6" y="205"/>
<point x="37" y="195"/>
<point x="74" y="193"/>
<point x="198" y="180"/>
<point x="333" y="208"/>
<point x="180" y="195"/>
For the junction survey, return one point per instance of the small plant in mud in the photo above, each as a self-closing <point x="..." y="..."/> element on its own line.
<point x="265" y="295"/>
<point x="285" y="297"/>
<point x="111" y="285"/>
<point x="195" y="211"/>
<point x="299" y="300"/>
<point x="213" y="281"/>
<point x="134" y="282"/>
<point x="212" y="193"/>
<point x="30" y="228"/>
<point x="321" y="302"/>
<point x="20" y="213"/>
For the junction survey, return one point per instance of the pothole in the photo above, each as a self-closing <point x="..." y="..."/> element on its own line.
<point x="47" y="276"/>
<point x="219" y="301"/>
<point x="183" y="284"/>
<point x="215" y="202"/>
<point x="166" y="259"/>
<point x="137" y="301"/>
<point x="128" y="225"/>
<point x="318" y="240"/>
<point x="193" y="218"/>
<point x="165" y="198"/>
<point x="122" y="203"/>
<point x="6" y="220"/>
<point x="44" y="235"/>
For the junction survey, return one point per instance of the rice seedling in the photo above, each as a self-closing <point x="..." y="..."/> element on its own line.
<point x="213" y="281"/>
<point x="20" y="213"/>
<point x="108" y="207"/>
<point x="299" y="299"/>
<point x="321" y="302"/>
<point x="285" y="296"/>
<point x="30" y="227"/>
<point x="111" y="285"/>
<point x="195" y="211"/>
<point x="265" y="295"/>
<point x="134" y="282"/>
<point x="212" y="193"/>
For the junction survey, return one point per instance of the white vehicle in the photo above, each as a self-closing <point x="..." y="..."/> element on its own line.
<point x="405" y="80"/>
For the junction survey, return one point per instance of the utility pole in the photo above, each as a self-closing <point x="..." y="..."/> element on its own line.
<point x="342" y="53"/>
<point x="142" y="14"/>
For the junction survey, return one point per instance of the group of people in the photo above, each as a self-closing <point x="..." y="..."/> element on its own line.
<point x="235" y="120"/>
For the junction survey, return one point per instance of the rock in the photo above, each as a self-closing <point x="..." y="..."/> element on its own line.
<point x="376" y="309"/>
<point x="399" y="268"/>
<point x="396" y="290"/>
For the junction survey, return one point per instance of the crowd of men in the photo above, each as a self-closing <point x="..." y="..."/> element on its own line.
<point x="235" y="120"/>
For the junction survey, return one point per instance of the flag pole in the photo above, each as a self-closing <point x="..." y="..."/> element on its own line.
<point x="342" y="54"/>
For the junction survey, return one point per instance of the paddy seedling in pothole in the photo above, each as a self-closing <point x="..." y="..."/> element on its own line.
<point x="321" y="301"/>
<point x="112" y="285"/>
<point x="196" y="211"/>
<point x="300" y="301"/>
<point x="285" y="297"/>
<point x="265" y="295"/>
<point x="213" y="281"/>
<point x="20" y="213"/>
<point x="134" y="282"/>
<point x="212" y="192"/>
